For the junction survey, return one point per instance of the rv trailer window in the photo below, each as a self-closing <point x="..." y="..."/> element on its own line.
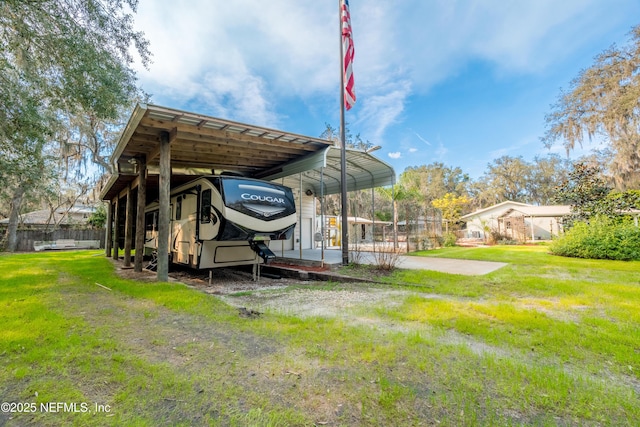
<point x="151" y="221"/>
<point x="205" y="206"/>
<point x="179" y="208"/>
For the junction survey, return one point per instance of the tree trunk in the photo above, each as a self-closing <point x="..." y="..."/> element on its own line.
<point x="12" y="229"/>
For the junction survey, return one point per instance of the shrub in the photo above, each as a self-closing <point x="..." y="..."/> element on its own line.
<point x="495" y="237"/>
<point x="386" y="260"/>
<point x="600" y="238"/>
<point x="449" y="240"/>
<point x="98" y="218"/>
<point x="356" y="255"/>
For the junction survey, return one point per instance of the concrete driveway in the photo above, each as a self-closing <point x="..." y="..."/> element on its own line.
<point x="444" y="265"/>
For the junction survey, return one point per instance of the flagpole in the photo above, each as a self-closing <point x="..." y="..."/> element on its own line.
<point x="343" y="154"/>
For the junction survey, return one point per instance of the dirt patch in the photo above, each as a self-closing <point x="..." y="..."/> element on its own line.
<point x="348" y="302"/>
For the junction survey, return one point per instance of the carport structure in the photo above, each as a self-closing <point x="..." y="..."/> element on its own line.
<point x="162" y="147"/>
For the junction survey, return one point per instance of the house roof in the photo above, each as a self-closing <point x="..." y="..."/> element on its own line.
<point x="540" y="211"/>
<point x="504" y="205"/>
<point x="360" y="220"/>
<point x="75" y="214"/>
<point x="203" y="145"/>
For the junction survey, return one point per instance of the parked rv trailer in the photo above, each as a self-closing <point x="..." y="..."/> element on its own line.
<point x="222" y="221"/>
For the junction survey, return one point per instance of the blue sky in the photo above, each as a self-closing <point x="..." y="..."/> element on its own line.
<point x="457" y="82"/>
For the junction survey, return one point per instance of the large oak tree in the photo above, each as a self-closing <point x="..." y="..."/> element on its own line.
<point x="65" y="73"/>
<point x="603" y="103"/>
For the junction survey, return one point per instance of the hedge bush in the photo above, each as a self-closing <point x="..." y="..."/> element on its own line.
<point x="600" y="238"/>
<point x="449" y="240"/>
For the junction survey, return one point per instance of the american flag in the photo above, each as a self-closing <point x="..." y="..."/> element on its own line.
<point x="348" y="51"/>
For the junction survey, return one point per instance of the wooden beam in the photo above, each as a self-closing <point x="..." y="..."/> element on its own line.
<point x="164" y="215"/>
<point x="128" y="227"/>
<point x="204" y="158"/>
<point x="140" y="216"/>
<point x="190" y="164"/>
<point x="116" y="228"/>
<point x="154" y="153"/>
<point x="229" y="135"/>
<point x="215" y="145"/>
<point x="134" y="184"/>
<point x="147" y="131"/>
<point x="141" y="140"/>
<point x="211" y="153"/>
<point x="108" y="239"/>
<point x="124" y="191"/>
<point x="171" y="136"/>
<point x="242" y="140"/>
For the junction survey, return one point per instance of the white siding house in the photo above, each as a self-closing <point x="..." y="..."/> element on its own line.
<point x="515" y="220"/>
<point x="361" y="230"/>
<point x="66" y="217"/>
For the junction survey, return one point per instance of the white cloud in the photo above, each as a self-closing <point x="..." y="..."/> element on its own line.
<point x="247" y="59"/>
<point x="408" y="47"/>
<point x="428" y="42"/>
<point x="413" y="150"/>
<point x="395" y="155"/>
<point x="237" y="56"/>
<point x="381" y="110"/>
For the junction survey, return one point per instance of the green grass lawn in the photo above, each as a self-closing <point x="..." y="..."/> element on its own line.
<point x="544" y="341"/>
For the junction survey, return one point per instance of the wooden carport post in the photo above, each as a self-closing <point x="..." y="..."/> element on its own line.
<point x="164" y="215"/>
<point x="116" y="227"/>
<point x="128" y="227"/>
<point x="142" y="201"/>
<point x="108" y="238"/>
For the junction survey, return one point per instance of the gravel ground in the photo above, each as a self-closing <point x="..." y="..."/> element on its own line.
<point x="349" y="301"/>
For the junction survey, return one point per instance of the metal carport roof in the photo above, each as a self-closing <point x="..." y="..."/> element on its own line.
<point x="321" y="171"/>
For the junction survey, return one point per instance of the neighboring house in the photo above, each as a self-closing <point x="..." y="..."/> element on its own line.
<point x="63" y="229"/>
<point x="63" y="217"/>
<point x="515" y="220"/>
<point x="361" y="230"/>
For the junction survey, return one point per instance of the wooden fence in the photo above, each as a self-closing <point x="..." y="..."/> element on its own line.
<point x="26" y="237"/>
